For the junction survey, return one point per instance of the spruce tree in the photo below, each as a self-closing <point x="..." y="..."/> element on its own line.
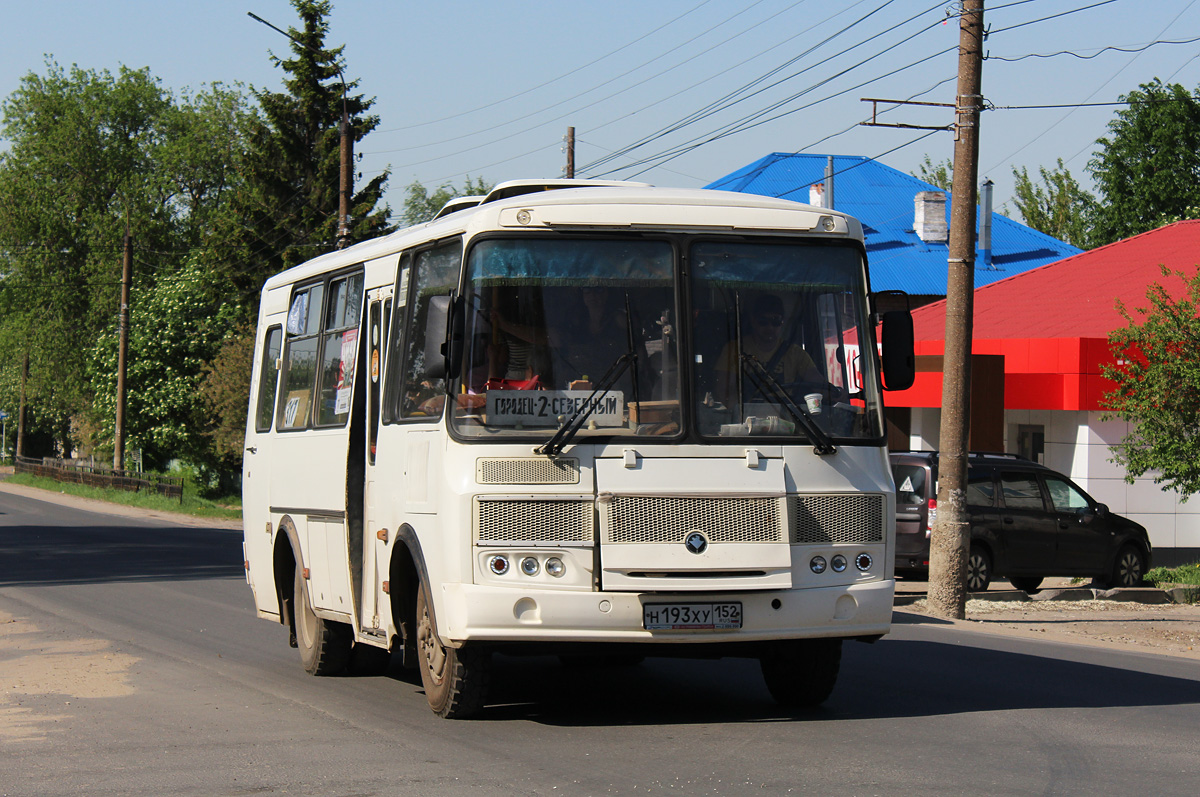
<point x="287" y="212"/>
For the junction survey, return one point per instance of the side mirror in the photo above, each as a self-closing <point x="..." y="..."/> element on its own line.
<point x="452" y="348"/>
<point x="1101" y="510"/>
<point x="899" y="358"/>
<point x="436" y="332"/>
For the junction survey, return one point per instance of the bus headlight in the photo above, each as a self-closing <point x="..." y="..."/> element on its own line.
<point x="498" y="565"/>
<point x="817" y="565"/>
<point x="838" y="563"/>
<point x="555" y="566"/>
<point x="530" y="566"/>
<point x="863" y="561"/>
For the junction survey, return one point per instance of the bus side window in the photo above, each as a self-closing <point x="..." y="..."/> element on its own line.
<point x="435" y="274"/>
<point x="268" y="379"/>
<point x="339" y="340"/>
<point x="395" y="341"/>
<point x="300" y="359"/>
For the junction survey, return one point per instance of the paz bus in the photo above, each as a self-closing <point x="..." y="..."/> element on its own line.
<point x="593" y="420"/>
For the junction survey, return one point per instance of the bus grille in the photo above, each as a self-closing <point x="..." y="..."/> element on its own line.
<point x="539" y="470"/>
<point x="646" y="519"/>
<point x="533" y="521"/>
<point x="836" y="518"/>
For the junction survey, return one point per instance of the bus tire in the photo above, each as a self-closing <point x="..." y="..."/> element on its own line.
<point x="801" y="672"/>
<point x="324" y="645"/>
<point x="455" y="679"/>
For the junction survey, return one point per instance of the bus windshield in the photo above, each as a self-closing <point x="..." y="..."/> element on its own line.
<point x="777" y="331"/>
<point x="554" y="324"/>
<point x="563" y="330"/>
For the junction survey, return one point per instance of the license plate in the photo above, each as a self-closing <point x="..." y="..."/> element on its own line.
<point x="691" y="616"/>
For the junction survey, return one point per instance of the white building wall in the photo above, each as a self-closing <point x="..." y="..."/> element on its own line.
<point x="924" y="428"/>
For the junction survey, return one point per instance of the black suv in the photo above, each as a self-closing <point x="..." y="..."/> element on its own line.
<point x="1027" y="522"/>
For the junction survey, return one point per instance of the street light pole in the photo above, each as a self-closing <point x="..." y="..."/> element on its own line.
<point x="345" y="148"/>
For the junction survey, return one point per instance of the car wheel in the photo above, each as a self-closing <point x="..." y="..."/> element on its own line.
<point x="455" y="679"/>
<point x="1129" y="568"/>
<point x="979" y="570"/>
<point x="801" y="672"/>
<point x="1028" y="584"/>
<point x="324" y="645"/>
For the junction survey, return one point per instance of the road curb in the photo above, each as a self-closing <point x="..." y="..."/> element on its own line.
<point x="1147" y="595"/>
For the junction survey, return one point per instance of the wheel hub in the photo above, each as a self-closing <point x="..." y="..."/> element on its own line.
<point x="432" y="652"/>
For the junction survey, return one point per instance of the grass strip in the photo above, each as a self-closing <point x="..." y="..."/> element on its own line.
<point x="190" y="505"/>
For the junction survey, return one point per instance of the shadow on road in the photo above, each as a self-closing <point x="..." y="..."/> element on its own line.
<point x="892" y="679"/>
<point x="41" y="555"/>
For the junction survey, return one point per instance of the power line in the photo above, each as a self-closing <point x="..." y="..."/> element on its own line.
<point x="727" y="100"/>
<point x="755" y="120"/>
<point x="1067" y="115"/>
<point x="553" y="80"/>
<point x="713" y="108"/>
<point x="588" y="91"/>
<point x="1052" y="16"/>
<point x="1099" y="52"/>
<point x="866" y="160"/>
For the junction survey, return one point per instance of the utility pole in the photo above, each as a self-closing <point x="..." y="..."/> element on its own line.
<point x="346" y="179"/>
<point x="122" y="353"/>
<point x="20" y="451"/>
<point x="950" y="543"/>
<point x="570" y="153"/>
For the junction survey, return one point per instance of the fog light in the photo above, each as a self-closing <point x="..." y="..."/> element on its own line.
<point x="838" y="563"/>
<point x="555" y="566"/>
<point x="817" y="565"/>
<point x="863" y="562"/>
<point x="498" y="565"/>
<point x="529" y="566"/>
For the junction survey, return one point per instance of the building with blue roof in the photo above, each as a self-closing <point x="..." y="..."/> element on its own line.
<point x="906" y="252"/>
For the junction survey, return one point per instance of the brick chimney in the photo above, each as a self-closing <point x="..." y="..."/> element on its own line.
<point x="929" y="216"/>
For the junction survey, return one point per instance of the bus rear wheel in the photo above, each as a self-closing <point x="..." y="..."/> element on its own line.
<point x="801" y="672"/>
<point x="455" y="679"/>
<point x="324" y="645"/>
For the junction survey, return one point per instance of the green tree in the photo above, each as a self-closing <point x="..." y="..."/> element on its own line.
<point x="939" y="174"/>
<point x="287" y="211"/>
<point x="420" y="206"/>
<point x="1157" y="377"/>
<point x="88" y="154"/>
<point x="1058" y="206"/>
<point x="176" y="328"/>
<point x="1149" y="166"/>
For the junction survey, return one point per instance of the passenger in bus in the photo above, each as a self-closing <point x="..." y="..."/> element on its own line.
<point x="594" y="337"/>
<point x="517" y="353"/>
<point x="763" y="338"/>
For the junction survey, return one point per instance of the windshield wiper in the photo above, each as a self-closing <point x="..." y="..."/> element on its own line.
<point x="765" y="383"/>
<point x="573" y="424"/>
<point x="562" y="437"/>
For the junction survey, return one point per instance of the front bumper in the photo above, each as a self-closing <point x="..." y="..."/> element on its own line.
<point x="470" y="613"/>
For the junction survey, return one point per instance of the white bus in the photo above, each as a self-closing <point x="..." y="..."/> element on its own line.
<point x="592" y="420"/>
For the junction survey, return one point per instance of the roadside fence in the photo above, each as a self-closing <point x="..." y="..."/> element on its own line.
<point x="80" y="472"/>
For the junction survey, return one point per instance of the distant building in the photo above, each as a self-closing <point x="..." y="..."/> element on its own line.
<point x="904" y="220"/>
<point x="1040" y="339"/>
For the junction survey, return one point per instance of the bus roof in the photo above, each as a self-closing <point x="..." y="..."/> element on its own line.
<point x="593" y="205"/>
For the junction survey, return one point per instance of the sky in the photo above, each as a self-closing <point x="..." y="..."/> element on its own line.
<point x="697" y="88"/>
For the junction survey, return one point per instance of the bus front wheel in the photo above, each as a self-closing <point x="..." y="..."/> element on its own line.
<point x="801" y="672"/>
<point x="455" y="679"/>
<point x="324" y="645"/>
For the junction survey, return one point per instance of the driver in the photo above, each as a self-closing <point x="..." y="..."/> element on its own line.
<point x="763" y="339"/>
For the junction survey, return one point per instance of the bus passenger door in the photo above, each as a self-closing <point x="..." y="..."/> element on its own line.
<point x="256" y="461"/>
<point x="379" y="309"/>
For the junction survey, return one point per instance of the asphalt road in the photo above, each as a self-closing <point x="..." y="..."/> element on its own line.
<point x="131" y="662"/>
